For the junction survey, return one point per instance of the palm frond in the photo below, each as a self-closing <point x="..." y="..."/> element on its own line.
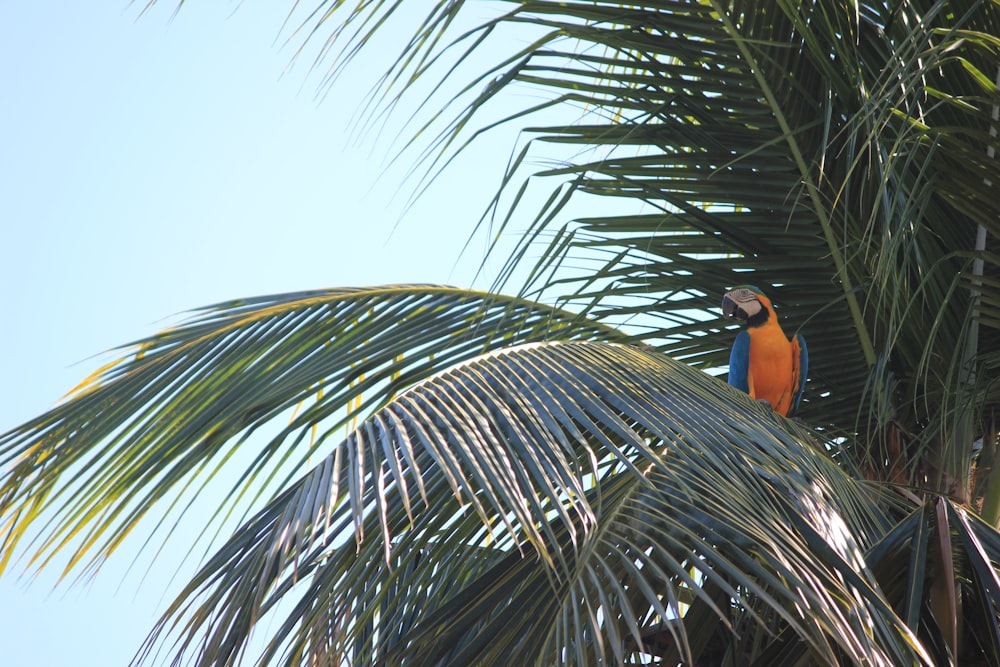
<point x="180" y="404"/>
<point x="907" y="562"/>
<point x="589" y="489"/>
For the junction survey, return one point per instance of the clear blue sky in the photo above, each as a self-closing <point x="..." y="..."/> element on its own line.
<point x="153" y="165"/>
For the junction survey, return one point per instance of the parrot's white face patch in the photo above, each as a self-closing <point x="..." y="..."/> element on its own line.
<point x="742" y="295"/>
<point x="741" y="304"/>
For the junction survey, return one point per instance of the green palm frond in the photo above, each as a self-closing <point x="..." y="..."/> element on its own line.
<point x="569" y="477"/>
<point x="934" y="532"/>
<point x="180" y="404"/>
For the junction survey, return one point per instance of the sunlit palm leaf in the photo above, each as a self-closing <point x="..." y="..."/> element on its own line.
<point x="471" y="492"/>
<point x="181" y="403"/>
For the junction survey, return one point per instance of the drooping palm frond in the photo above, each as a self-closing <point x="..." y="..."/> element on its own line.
<point x="178" y="405"/>
<point x="539" y="505"/>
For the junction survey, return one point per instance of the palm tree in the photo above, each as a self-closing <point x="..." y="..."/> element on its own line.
<point x="552" y="477"/>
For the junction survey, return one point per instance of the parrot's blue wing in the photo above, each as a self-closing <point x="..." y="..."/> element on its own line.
<point x="739" y="362"/>
<point x="803" y="371"/>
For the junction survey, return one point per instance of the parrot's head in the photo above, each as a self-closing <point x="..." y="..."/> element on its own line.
<point x="747" y="304"/>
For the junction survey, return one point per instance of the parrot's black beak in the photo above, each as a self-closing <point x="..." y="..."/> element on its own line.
<point x="732" y="309"/>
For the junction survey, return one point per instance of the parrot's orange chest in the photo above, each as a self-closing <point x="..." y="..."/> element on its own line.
<point x="770" y="373"/>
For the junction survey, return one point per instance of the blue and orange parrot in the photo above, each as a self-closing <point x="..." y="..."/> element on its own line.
<point x="764" y="363"/>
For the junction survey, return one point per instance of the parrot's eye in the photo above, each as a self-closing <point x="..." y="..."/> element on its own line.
<point x="743" y="295"/>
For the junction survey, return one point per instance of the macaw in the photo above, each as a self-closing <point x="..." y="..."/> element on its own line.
<point x="764" y="363"/>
